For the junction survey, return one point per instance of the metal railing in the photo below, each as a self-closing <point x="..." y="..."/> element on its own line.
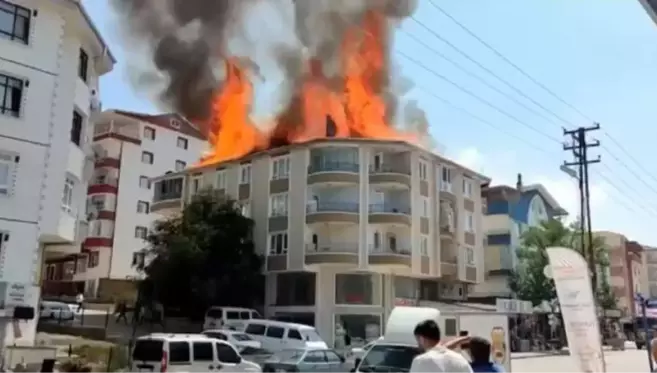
<point x="168" y="189"/>
<point x="390" y="168"/>
<point x="352" y="207"/>
<point x="124" y="129"/>
<point x="330" y="248"/>
<point x="386" y="208"/>
<point x="389" y="250"/>
<point x="333" y="166"/>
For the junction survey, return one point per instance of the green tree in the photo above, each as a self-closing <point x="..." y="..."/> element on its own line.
<point x="204" y="256"/>
<point x="529" y="282"/>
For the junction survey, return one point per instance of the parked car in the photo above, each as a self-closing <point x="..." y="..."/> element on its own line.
<point x="228" y="317"/>
<point x="311" y="360"/>
<point x="278" y="336"/>
<point x="238" y="339"/>
<point x="55" y="311"/>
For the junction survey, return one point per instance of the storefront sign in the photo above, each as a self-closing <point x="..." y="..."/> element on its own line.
<point x="573" y="284"/>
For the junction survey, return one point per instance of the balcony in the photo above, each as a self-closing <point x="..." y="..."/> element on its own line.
<point x="332" y="212"/>
<point x="384" y="213"/>
<point x="389" y="256"/>
<point x="125" y="131"/>
<point x="448" y="261"/>
<point x="499" y="260"/>
<point x="447" y="221"/>
<point x="332" y="253"/>
<point x="390" y="174"/>
<point x="167" y="194"/>
<point x="103" y="184"/>
<point x="470" y="274"/>
<point x="333" y="172"/>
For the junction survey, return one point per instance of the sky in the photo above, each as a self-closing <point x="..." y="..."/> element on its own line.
<point x="599" y="58"/>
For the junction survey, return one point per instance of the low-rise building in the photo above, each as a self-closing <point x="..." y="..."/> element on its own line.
<point x="350" y="228"/>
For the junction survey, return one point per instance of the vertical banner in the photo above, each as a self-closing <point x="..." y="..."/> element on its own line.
<point x="573" y="284"/>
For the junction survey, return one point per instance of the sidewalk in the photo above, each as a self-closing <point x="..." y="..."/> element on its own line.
<point x="533" y="354"/>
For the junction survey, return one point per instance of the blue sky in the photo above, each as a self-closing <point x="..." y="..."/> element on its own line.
<point x="599" y="56"/>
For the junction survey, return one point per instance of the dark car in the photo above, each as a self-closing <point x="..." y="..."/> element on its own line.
<point x="326" y="360"/>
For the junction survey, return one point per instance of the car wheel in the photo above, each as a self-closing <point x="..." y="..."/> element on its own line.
<point x="639" y="346"/>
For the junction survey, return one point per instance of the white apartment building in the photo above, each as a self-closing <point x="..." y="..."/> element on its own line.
<point x="130" y="149"/>
<point x="51" y="56"/>
<point x="350" y="228"/>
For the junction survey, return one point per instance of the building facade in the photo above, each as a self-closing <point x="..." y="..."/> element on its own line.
<point x="649" y="278"/>
<point x="625" y="270"/>
<point x="51" y="56"/>
<point x="509" y="212"/>
<point x="350" y="228"/>
<point x="129" y="149"/>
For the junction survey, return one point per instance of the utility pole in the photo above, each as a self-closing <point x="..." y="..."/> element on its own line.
<point x="579" y="147"/>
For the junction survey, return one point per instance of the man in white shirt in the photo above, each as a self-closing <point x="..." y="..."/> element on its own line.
<point x="436" y="357"/>
<point x="80" y="301"/>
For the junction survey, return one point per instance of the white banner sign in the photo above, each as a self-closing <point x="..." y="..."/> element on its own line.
<point x="573" y="284"/>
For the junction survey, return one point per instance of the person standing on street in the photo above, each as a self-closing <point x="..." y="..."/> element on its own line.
<point x="480" y="350"/>
<point x="80" y="301"/>
<point x="437" y="357"/>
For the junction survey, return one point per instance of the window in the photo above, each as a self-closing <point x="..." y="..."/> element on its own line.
<point x="278" y="204"/>
<point x="93" y="260"/>
<point x="295" y="289"/>
<point x="14" y="22"/>
<point x="141" y="232"/>
<point x="469" y="256"/>
<point x="280" y="168"/>
<point x="149" y="133"/>
<point x="425" y="207"/>
<point x="314" y="357"/>
<point x="147" y="157"/>
<point x="138" y="259"/>
<point x="11" y="91"/>
<point x="83" y="65"/>
<point x="142" y="207"/>
<point x="423" y="170"/>
<point x="275" y="332"/>
<point x="76" y="129"/>
<point x="245" y="209"/>
<point x="203" y="351"/>
<point x="180" y="165"/>
<point x="424" y="246"/>
<point x="179" y="352"/>
<point x="245" y="174"/>
<point x="220" y="180"/>
<point x="6" y="172"/>
<point x="227" y="354"/>
<point x="293" y="334"/>
<point x="467" y="188"/>
<point x="446" y="179"/>
<point x="175" y="124"/>
<point x="255" y="329"/>
<point x="67" y="198"/>
<point x="332" y="357"/>
<point x="450" y="327"/>
<point x="278" y="243"/>
<point x="469" y="222"/>
<point x="216" y="335"/>
<point x="144" y="182"/>
<point x="4" y="238"/>
<point x="354" y="288"/>
<point x="182" y="143"/>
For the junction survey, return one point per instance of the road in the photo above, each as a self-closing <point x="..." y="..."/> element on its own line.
<point x="630" y="360"/>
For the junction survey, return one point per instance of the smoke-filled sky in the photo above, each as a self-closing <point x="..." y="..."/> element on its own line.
<point x="599" y="56"/>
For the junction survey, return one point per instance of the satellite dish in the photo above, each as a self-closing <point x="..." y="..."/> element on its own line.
<point x="547" y="271"/>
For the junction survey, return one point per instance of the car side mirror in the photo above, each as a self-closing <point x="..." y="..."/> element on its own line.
<point x="356" y="363"/>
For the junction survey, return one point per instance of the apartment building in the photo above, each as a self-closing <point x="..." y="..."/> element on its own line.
<point x="625" y="269"/>
<point x="509" y="212"/>
<point x="51" y="56"/>
<point x="649" y="272"/>
<point x="130" y="149"/>
<point x="350" y="228"/>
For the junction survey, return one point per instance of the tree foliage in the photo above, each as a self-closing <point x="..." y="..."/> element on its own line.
<point x="205" y="256"/>
<point x="528" y="281"/>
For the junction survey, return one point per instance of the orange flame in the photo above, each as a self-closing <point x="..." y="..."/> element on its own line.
<point x="358" y="110"/>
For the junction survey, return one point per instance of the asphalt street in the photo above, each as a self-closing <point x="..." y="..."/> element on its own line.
<point x="630" y="360"/>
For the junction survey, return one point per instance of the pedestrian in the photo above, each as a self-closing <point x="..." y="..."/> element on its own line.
<point x="653" y="351"/>
<point x="122" y="310"/>
<point x="79" y="299"/>
<point x="437" y="357"/>
<point x="480" y="350"/>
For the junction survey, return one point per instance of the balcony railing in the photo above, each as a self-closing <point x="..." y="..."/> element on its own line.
<point x="104" y="180"/>
<point x="448" y="255"/>
<point x="352" y="207"/>
<point x="333" y="166"/>
<point x="329" y="248"/>
<point x="124" y="129"/>
<point x="373" y="249"/>
<point x="390" y="168"/>
<point x="169" y="189"/>
<point x="385" y="208"/>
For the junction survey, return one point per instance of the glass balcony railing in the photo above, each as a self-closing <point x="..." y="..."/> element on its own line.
<point x="390" y="168"/>
<point x="352" y="207"/>
<point x="384" y="208"/>
<point x="168" y="189"/>
<point x="333" y="166"/>
<point x="374" y="249"/>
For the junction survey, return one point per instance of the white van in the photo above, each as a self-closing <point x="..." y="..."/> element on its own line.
<point x="395" y="351"/>
<point x="161" y="352"/>
<point x="278" y="336"/>
<point x="228" y="317"/>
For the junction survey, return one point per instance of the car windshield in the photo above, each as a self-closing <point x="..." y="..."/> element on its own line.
<point x="311" y="335"/>
<point x="388" y="358"/>
<point x="290" y="356"/>
<point x="241" y="337"/>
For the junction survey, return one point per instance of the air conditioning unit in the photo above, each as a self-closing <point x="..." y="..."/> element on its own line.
<point x="95" y="104"/>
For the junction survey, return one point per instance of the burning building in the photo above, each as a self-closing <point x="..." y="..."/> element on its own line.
<point x="353" y="214"/>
